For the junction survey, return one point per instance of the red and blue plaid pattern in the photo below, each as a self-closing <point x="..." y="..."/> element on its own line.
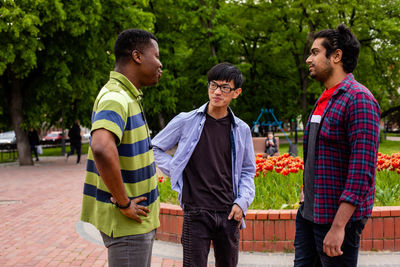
<point x="346" y="152"/>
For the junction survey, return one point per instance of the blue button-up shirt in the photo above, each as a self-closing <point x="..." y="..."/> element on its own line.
<point x="185" y="130"/>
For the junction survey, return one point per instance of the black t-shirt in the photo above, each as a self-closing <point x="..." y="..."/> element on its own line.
<point x="207" y="178"/>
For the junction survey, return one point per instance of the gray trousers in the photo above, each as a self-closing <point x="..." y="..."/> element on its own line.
<point x="129" y="251"/>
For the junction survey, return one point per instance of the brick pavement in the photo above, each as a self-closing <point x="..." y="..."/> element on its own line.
<point x="38" y="230"/>
<point x="40" y="205"/>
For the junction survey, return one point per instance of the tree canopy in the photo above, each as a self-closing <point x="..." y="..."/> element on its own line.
<point x="56" y="55"/>
<point x="270" y="41"/>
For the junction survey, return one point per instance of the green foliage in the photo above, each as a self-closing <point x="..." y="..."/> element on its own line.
<point x="275" y="191"/>
<point x="389" y="147"/>
<point x="56" y="151"/>
<point x="386" y="147"/>
<point x="60" y="53"/>
<point x="167" y="195"/>
<point x="387" y="191"/>
<point x="269" y="41"/>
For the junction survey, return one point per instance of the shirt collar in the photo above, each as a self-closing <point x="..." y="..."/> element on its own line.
<point x="344" y="85"/>
<point x="128" y="86"/>
<point x="203" y="109"/>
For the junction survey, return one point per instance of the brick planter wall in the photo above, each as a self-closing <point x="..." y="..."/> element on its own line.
<point x="274" y="230"/>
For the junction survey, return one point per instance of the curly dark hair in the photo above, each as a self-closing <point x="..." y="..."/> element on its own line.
<point x="341" y="38"/>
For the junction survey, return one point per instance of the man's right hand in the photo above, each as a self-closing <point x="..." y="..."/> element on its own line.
<point x="134" y="209"/>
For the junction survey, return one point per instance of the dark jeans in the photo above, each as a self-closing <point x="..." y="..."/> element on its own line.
<point x="309" y="239"/>
<point x="200" y="227"/>
<point x="34" y="150"/>
<point x="78" y="151"/>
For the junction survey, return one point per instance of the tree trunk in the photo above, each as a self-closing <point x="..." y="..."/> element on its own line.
<point x="161" y="121"/>
<point x="207" y="24"/>
<point x="15" y="101"/>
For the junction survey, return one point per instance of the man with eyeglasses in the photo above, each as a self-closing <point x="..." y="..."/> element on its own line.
<point x="212" y="170"/>
<point x="120" y="194"/>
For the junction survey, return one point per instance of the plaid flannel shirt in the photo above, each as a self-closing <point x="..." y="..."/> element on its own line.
<point x="346" y="152"/>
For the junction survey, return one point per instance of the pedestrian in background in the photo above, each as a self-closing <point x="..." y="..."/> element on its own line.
<point x="75" y="139"/>
<point x="34" y="141"/>
<point x="271" y="148"/>
<point x="340" y="155"/>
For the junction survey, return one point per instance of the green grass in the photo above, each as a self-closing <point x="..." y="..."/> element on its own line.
<point x="167" y="195"/>
<point x="275" y="191"/>
<point x="8" y="157"/>
<point x="389" y="147"/>
<point x="56" y="151"/>
<point x="386" y="147"/>
<point x="47" y="152"/>
<point x="393" y="134"/>
<point x="387" y="191"/>
<point x="284" y="148"/>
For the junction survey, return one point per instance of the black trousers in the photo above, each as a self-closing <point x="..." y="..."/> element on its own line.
<point x="200" y="227"/>
<point x="34" y="150"/>
<point x="76" y="147"/>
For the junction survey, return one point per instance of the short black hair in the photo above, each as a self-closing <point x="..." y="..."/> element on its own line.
<point x="342" y="38"/>
<point x="129" y="40"/>
<point x="226" y="72"/>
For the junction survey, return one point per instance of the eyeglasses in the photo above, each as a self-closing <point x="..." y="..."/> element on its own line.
<point x="224" y="87"/>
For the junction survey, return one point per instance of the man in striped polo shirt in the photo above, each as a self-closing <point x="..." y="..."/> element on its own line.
<point x="340" y="155"/>
<point x="120" y="191"/>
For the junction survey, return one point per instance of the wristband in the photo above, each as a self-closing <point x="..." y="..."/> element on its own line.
<point x="123" y="207"/>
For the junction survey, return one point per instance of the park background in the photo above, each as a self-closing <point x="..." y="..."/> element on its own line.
<point x="56" y="55"/>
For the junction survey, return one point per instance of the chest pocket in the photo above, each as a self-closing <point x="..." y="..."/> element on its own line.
<point x="333" y="130"/>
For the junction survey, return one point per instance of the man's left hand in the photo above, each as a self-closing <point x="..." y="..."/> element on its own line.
<point x="236" y="213"/>
<point x="333" y="241"/>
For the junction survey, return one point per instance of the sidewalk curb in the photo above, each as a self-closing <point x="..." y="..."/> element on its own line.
<point x="174" y="251"/>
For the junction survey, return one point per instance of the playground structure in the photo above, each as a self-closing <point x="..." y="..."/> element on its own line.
<point x="274" y="123"/>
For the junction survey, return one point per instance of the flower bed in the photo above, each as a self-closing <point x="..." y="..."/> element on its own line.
<point x="271" y="218"/>
<point x="278" y="181"/>
<point x="389" y="163"/>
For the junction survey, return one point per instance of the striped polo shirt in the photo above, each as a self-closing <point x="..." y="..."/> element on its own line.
<point x="118" y="110"/>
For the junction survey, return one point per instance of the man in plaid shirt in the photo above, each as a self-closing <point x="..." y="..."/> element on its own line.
<point x="340" y="152"/>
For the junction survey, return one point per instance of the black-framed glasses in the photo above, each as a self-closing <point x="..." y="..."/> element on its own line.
<point x="225" y="88"/>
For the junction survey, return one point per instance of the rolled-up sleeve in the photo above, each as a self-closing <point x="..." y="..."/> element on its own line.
<point x="363" y="120"/>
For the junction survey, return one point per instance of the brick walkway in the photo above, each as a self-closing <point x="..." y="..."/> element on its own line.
<point x="40" y="205"/>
